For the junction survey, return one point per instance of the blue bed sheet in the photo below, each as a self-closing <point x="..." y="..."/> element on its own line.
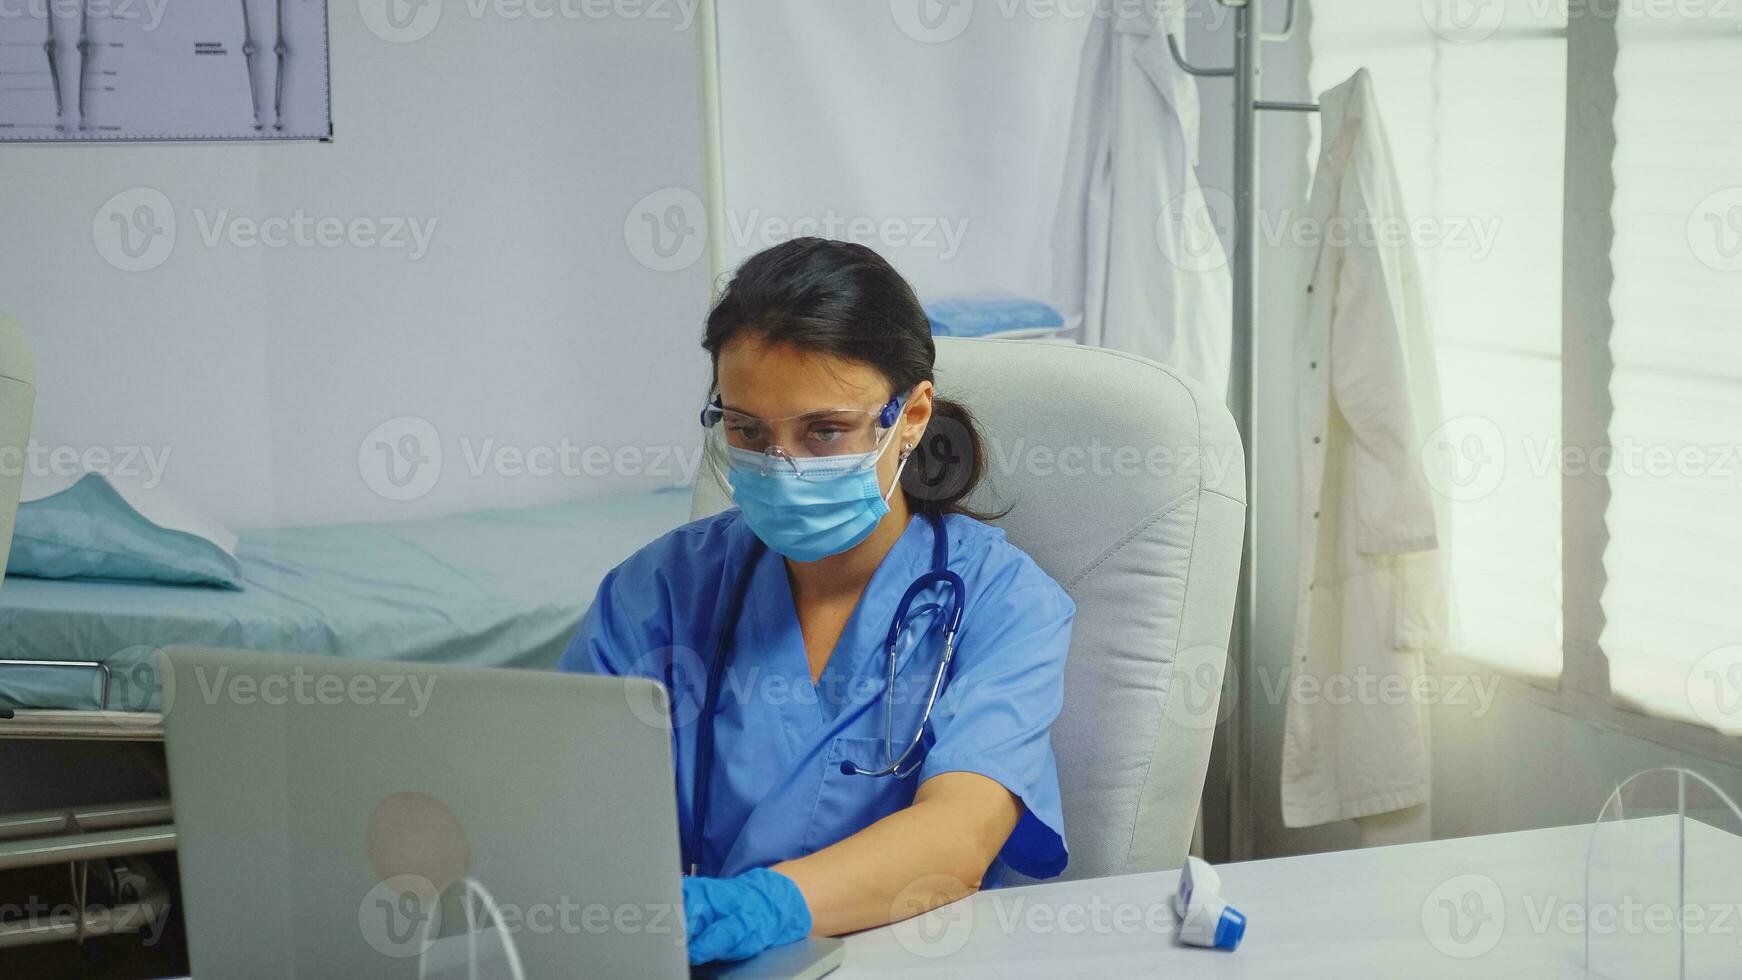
<point x="500" y="588"/>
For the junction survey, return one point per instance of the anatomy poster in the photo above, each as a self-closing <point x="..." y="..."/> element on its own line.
<point x="113" y="70"/>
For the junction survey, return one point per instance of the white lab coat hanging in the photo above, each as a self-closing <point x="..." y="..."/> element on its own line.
<point x="1373" y="592"/>
<point x="1135" y="248"/>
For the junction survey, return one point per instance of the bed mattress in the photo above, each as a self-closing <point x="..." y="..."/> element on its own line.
<point x="500" y="588"/>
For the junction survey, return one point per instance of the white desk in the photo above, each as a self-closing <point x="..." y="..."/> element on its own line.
<point x="1495" y="907"/>
<point x="1379" y="912"/>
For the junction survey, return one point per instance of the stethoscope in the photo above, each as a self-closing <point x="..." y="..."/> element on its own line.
<point x="894" y="765"/>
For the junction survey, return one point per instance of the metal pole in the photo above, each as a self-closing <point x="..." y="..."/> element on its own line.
<point x="117" y="920"/>
<point x="1242" y="391"/>
<point x="713" y="145"/>
<point x="46" y="823"/>
<point x="39" y="851"/>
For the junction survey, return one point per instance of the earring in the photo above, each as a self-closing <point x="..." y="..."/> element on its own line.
<point x="906" y="450"/>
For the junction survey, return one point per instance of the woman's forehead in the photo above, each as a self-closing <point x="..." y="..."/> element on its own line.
<point x="781" y="380"/>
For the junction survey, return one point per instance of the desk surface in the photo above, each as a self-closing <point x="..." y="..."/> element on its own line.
<point x="1494" y="907"/>
<point x="1501" y="906"/>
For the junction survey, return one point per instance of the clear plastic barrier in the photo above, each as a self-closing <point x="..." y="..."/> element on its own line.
<point x="1663" y="881"/>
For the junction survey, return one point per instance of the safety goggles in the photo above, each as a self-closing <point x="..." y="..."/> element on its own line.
<point x="793" y="442"/>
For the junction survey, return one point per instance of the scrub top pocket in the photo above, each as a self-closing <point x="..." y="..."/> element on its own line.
<point x="848" y="804"/>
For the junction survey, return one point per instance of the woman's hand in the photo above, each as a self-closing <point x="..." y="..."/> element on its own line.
<point x="736" y="918"/>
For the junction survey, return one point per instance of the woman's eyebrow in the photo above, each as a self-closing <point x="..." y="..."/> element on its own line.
<point x="740" y="411"/>
<point x="814" y="411"/>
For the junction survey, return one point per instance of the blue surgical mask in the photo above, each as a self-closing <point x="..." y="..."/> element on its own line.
<point x="810" y="508"/>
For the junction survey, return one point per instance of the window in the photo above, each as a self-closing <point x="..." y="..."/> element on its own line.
<point x="1474" y="98"/>
<point x="1673" y="596"/>
<point x="1475" y="115"/>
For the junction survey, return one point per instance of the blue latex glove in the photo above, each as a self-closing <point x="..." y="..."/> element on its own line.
<point x="736" y="918"/>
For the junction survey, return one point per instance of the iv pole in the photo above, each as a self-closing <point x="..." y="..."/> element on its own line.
<point x="1242" y="392"/>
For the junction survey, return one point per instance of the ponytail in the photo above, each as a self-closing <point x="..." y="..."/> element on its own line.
<point x="948" y="464"/>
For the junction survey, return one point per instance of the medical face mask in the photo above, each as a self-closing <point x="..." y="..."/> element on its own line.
<point x="810" y="508"/>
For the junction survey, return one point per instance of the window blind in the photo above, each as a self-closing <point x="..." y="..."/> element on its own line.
<point x="1673" y="597"/>
<point x="1475" y="112"/>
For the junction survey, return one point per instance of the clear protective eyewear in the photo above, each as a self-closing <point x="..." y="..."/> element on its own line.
<point x="784" y="442"/>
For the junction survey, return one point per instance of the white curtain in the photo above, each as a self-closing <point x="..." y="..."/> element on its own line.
<point x="932" y="132"/>
<point x="1137" y="252"/>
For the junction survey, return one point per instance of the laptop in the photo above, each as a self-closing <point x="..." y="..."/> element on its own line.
<point x="369" y="819"/>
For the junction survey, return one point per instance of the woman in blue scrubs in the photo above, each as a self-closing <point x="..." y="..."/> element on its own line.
<point x="844" y="464"/>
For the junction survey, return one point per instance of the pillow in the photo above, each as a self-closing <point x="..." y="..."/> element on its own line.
<point x="103" y="527"/>
<point x="992" y="314"/>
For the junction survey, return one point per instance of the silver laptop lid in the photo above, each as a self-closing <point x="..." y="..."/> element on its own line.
<point x="324" y="804"/>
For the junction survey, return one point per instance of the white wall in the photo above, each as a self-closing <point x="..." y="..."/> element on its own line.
<point x="526" y="143"/>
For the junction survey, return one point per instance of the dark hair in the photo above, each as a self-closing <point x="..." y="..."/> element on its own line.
<point x="843" y="299"/>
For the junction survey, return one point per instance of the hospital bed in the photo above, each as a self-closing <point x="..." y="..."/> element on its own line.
<point x="78" y="661"/>
<point x="499" y="588"/>
<point x="78" y="658"/>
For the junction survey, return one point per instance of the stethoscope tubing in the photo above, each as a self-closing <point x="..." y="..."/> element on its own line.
<point x="940" y="574"/>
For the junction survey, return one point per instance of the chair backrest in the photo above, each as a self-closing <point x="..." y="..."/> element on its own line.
<point x="17" y="399"/>
<point x="1126" y="483"/>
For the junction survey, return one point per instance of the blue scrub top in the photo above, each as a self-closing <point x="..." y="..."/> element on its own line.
<point x="778" y="790"/>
